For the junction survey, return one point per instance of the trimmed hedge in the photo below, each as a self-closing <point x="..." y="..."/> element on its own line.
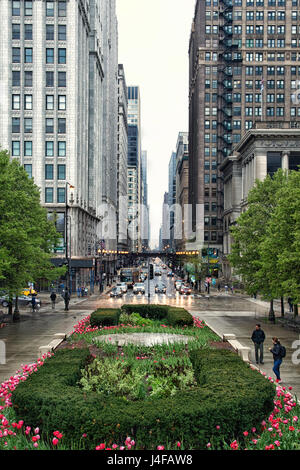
<point x="172" y="315"/>
<point x="230" y="395"/>
<point x="105" y="317"/>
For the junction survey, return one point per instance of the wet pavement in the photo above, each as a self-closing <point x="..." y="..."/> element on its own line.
<point x="224" y="313"/>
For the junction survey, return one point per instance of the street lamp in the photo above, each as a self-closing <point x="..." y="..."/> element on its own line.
<point x="66" y="235"/>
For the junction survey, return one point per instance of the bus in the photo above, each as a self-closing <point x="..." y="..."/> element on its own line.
<point x="130" y="276"/>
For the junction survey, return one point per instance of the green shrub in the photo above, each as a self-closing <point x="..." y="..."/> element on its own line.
<point x="174" y="316"/>
<point x="179" y="317"/>
<point x="105" y="317"/>
<point x="229" y="394"/>
<point x="135" y="319"/>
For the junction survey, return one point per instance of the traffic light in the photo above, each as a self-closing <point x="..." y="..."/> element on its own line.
<point x="151" y="271"/>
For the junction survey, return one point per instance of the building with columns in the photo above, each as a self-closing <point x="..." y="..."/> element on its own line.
<point x="261" y="152"/>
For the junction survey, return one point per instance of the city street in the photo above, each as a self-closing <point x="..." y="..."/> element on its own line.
<point x="224" y="313"/>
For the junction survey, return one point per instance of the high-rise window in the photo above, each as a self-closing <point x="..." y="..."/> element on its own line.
<point x="61" y="172"/>
<point x="61" y="79"/>
<point x="61" y="148"/>
<point x="49" y="79"/>
<point x="15" y="102"/>
<point x="49" y="148"/>
<point x="61" y="195"/>
<point x="61" y="128"/>
<point x="49" y="102"/>
<point x="16" y="57"/>
<point x="48" y="195"/>
<point x="62" y="32"/>
<point x="16" y="78"/>
<point x="62" y="8"/>
<point x="15" y="125"/>
<point x="28" y="169"/>
<point x="27" y="148"/>
<point x="15" y="31"/>
<point x="27" y="8"/>
<point x="15" y="8"/>
<point x="62" y="55"/>
<point x="15" y="148"/>
<point x="49" y="32"/>
<point x="27" y="101"/>
<point x="49" y="125"/>
<point x="49" y="173"/>
<point x="62" y="103"/>
<point x="28" y="55"/>
<point x="49" y="8"/>
<point x="28" y="32"/>
<point x="27" y="125"/>
<point x="28" y="78"/>
<point x="49" y="56"/>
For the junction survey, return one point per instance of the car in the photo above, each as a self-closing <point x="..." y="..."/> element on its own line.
<point x="139" y="288"/>
<point x="185" y="290"/>
<point x="116" y="292"/>
<point x="178" y="285"/>
<point x="29" y="291"/>
<point x="123" y="286"/>
<point x="23" y="301"/>
<point x="157" y="273"/>
<point x="160" y="288"/>
<point x="170" y="274"/>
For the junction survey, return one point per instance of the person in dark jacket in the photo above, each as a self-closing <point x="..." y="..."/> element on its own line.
<point x="258" y="337"/>
<point x="66" y="299"/>
<point x="276" y="351"/>
<point x="53" y="299"/>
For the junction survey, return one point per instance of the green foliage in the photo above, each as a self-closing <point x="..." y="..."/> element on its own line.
<point x="174" y="316"/>
<point x="134" y="319"/>
<point x="179" y="317"/>
<point x="229" y="394"/>
<point x="26" y="234"/>
<point x="105" y="317"/>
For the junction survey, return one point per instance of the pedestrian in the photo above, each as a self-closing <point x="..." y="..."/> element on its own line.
<point x="226" y="289"/>
<point x="33" y="303"/>
<point x="78" y="291"/>
<point x="82" y="291"/>
<point x="219" y="287"/>
<point x="290" y="302"/>
<point x="258" y="337"/>
<point x="232" y="289"/>
<point x="66" y="299"/>
<point x="53" y="299"/>
<point x="278" y="352"/>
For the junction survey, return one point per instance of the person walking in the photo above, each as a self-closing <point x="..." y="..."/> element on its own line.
<point x="53" y="299"/>
<point x="278" y="352"/>
<point x="290" y="302"/>
<point x="78" y="291"/>
<point x="258" y="337"/>
<point x="33" y="303"/>
<point x="66" y="299"/>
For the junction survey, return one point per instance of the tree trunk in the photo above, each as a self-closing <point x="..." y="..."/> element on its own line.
<point x="271" y="312"/>
<point x="282" y="306"/>
<point x="16" y="315"/>
<point x="296" y="310"/>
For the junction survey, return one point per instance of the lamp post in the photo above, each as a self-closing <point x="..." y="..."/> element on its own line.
<point x="66" y="235"/>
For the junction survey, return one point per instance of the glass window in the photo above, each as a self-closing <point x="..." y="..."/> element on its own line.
<point x="50" y="102"/>
<point x="49" y="125"/>
<point x="15" y="31"/>
<point x="49" y="56"/>
<point x="62" y="56"/>
<point x="61" y="195"/>
<point x="61" y="148"/>
<point x="28" y="169"/>
<point x="16" y="80"/>
<point x="62" y="79"/>
<point x="62" y="8"/>
<point x="49" y="172"/>
<point x="16" y="57"/>
<point x="28" y="32"/>
<point x="27" y="148"/>
<point x="27" y="101"/>
<point x="15" y="125"/>
<point x="49" y="148"/>
<point x="15" y="101"/>
<point x="28" y="8"/>
<point x="49" y="79"/>
<point x="62" y="32"/>
<point x="48" y="195"/>
<point x="62" y="102"/>
<point x="61" y="172"/>
<point x="49" y="8"/>
<point x="27" y="125"/>
<point x="15" y="8"/>
<point x="273" y="162"/>
<point x="28" y="55"/>
<point x="49" y="32"/>
<point x="28" y="78"/>
<point x="15" y="148"/>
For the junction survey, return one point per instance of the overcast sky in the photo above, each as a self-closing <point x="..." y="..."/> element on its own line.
<point x="153" y="47"/>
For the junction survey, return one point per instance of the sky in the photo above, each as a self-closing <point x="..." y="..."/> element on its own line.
<point x="153" y="47"/>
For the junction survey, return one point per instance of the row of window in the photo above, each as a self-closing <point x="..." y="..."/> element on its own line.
<point x="28" y="55"/>
<point x="61" y="102"/>
<point x="28" y="74"/>
<point x="28" y="149"/>
<point x="49" y="8"/>
<point x="60" y="193"/>
<point x="49" y="125"/>
<point x="28" y="32"/>
<point x="272" y="15"/>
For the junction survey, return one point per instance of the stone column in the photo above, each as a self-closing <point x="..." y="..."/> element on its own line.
<point x="261" y="166"/>
<point x="285" y="160"/>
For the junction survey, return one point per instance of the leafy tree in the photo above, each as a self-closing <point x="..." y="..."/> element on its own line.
<point x="26" y="235"/>
<point x="249" y="233"/>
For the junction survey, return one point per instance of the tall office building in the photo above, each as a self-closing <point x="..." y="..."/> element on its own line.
<point x="145" y="222"/>
<point x="172" y="196"/>
<point x="58" y="63"/>
<point x="134" y="168"/>
<point x="182" y="186"/>
<point x="244" y="57"/>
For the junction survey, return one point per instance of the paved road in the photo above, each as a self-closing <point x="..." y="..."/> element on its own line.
<point x="225" y="313"/>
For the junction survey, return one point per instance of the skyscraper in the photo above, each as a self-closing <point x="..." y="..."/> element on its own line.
<point x="243" y="66"/>
<point x="172" y="196"/>
<point x="58" y="62"/>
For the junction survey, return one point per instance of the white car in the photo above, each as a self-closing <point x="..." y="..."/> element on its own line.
<point x="123" y="286"/>
<point x="139" y="288"/>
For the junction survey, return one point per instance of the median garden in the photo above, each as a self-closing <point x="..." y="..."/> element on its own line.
<point x="142" y="377"/>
